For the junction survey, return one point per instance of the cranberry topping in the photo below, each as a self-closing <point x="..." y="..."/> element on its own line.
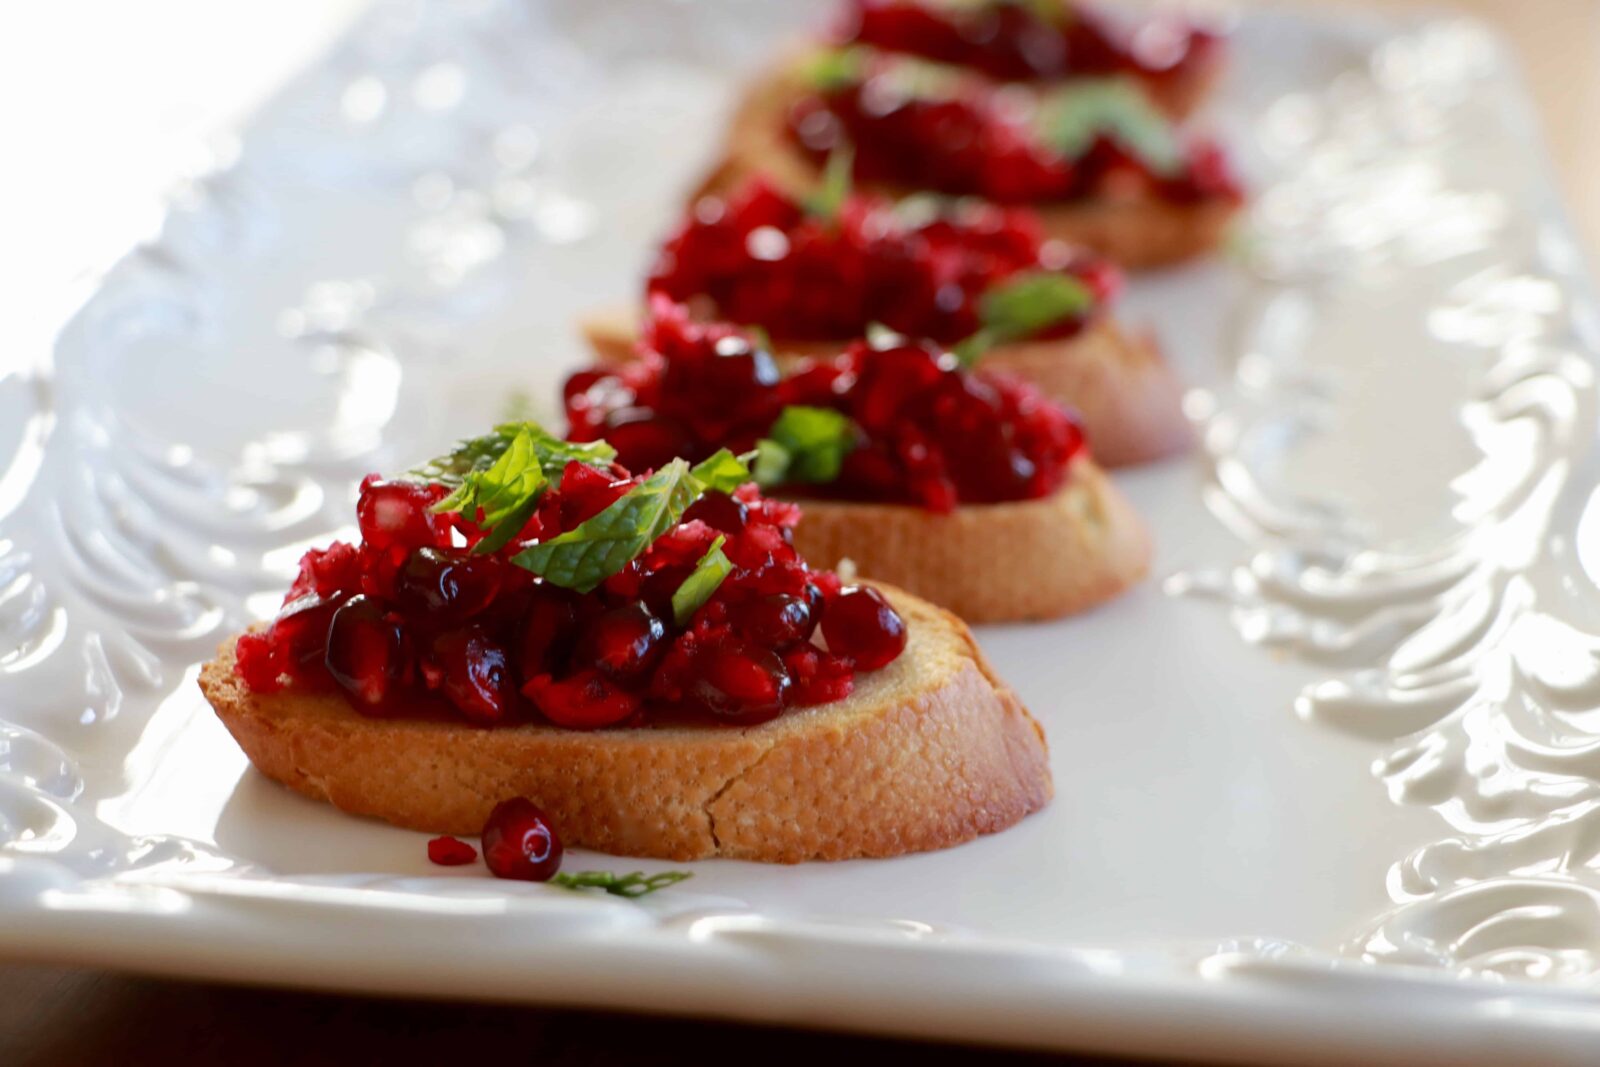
<point x="450" y="852"/>
<point x="366" y="654"/>
<point x="861" y="626"/>
<point x="970" y="138"/>
<point x="415" y="623"/>
<point x="760" y="258"/>
<point x="520" y="842"/>
<point x="1021" y="42"/>
<point x="471" y="671"/>
<point x="926" y="431"/>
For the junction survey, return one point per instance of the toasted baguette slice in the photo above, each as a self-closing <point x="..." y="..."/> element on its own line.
<point x="1128" y="399"/>
<point x="928" y="752"/>
<point x="1137" y="234"/>
<point x="1034" y="559"/>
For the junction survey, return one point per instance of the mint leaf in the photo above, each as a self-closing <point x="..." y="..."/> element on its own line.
<point x="834" y="69"/>
<point x="1071" y="117"/>
<point x="771" y="463"/>
<point x="603" y="544"/>
<point x="722" y="472"/>
<point x="501" y="498"/>
<point x="805" y="444"/>
<point x="632" y="886"/>
<point x="1022" y="306"/>
<point x="481" y="453"/>
<point x="826" y="201"/>
<point x="701" y="583"/>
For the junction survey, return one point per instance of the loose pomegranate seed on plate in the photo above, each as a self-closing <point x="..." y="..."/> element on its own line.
<point x="520" y="842"/>
<point x="450" y="852"/>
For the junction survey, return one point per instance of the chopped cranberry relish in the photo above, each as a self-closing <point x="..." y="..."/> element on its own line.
<point x="921" y="268"/>
<point x="899" y="424"/>
<point x="1036" y="40"/>
<point x="915" y="124"/>
<point x="522" y="577"/>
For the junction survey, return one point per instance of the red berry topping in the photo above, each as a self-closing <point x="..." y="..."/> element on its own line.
<point x="440" y="628"/>
<point x="474" y="675"/>
<point x="585" y="700"/>
<point x="520" y="842"/>
<point x="366" y="655"/>
<point x="450" y="852"/>
<point x="861" y="626"/>
<point x="625" y="642"/>
<point x="740" y="682"/>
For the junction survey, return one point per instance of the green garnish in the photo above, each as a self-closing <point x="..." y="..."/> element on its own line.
<point x="633" y="886"/>
<point x="701" y="583"/>
<point x="722" y="472"/>
<point x="1023" y="306"/>
<point x="829" y="197"/>
<point x="480" y="453"/>
<point x="805" y="444"/>
<point x="501" y="498"/>
<point x="1072" y="116"/>
<point x="603" y="544"/>
<point x="834" y="68"/>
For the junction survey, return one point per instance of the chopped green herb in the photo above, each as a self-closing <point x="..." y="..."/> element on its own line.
<point x="701" y="583"/>
<point x="1022" y="306"/>
<point x="480" y="453"/>
<point x="722" y="472"/>
<point x="600" y="546"/>
<point x="805" y="444"/>
<point x="1072" y="116"/>
<point x="501" y="498"/>
<point x="834" y="68"/>
<point x="829" y="197"/>
<point x="635" y="885"/>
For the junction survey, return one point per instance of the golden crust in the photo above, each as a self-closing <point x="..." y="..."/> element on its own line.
<point x="1137" y="234"/>
<point x="1033" y="559"/>
<point x="1128" y="399"/>
<point x="928" y="752"/>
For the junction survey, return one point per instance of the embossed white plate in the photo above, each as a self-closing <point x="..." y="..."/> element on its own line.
<point x="1327" y="785"/>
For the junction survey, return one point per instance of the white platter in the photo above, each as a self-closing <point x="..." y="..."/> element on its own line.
<point x="1327" y="786"/>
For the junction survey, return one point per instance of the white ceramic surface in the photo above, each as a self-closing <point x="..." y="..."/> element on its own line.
<point x="1327" y="785"/>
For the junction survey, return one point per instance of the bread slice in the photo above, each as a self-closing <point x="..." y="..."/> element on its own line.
<point x="1032" y="559"/>
<point x="1138" y="233"/>
<point x="928" y="752"/>
<point x="1128" y="399"/>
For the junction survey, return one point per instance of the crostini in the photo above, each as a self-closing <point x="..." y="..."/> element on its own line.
<point x="1175" y="59"/>
<point x="1102" y="166"/>
<point x="976" y="278"/>
<point x="965" y="487"/>
<point x="645" y="657"/>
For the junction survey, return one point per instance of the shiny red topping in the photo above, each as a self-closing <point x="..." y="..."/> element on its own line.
<point x="1028" y="41"/>
<point x="761" y="259"/>
<point x="864" y="628"/>
<point x="971" y="138"/>
<point x="520" y="842"/>
<point x="925" y="431"/>
<point x="417" y="624"/>
<point x="450" y="852"/>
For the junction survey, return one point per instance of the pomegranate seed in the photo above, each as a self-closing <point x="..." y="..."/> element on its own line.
<point x="863" y="627"/>
<point x="739" y="682"/>
<point x="396" y="513"/>
<point x="645" y="442"/>
<point x="474" y="675"/>
<point x="720" y="512"/>
<point x="446" y="587"/>
<point x="257" y="662"/>
<point x="300" y="634"/>
<point x="774" y="621"/>
<point x="624" y="642"/>
<point x="548" y="630"/>
<point x="583" y="701"/>
<point x="520" y="842"/>
<point x="450" y="852"/>
<point x="366" y="655"/>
